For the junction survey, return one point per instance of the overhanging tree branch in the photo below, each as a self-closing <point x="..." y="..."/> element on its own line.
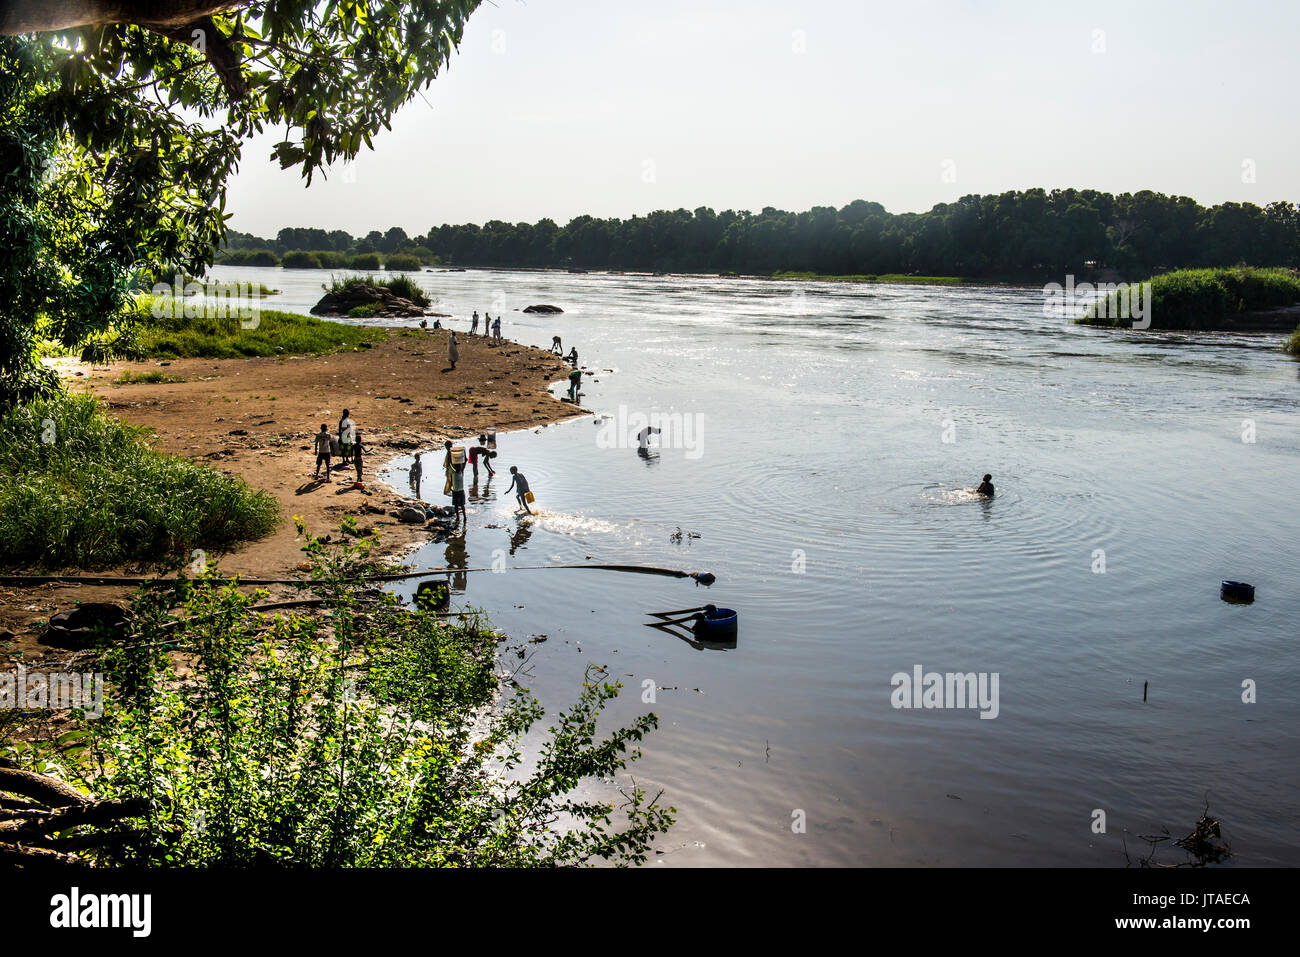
<point x="43" y="16"/>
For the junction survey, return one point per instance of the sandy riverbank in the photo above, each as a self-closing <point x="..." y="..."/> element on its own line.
<point x="255" y="418"/>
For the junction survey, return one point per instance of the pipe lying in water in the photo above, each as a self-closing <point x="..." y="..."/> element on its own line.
<point x="701" y="578"/>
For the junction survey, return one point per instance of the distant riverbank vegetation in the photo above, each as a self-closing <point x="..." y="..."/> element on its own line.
<point x="1031" y="235"/>
<point x="352" y="256"/>
<point x="887" y="277"/>
<point x="1205" y="298"/>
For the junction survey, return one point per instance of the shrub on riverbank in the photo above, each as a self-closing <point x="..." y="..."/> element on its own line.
<point x="248" y="257"/>
<point x="83" y="490"/>
<point x="366" y="261"/>
<point x="300" y="259"/>
<point x="367" y="736"/>
<point x="276" y="333"/>
<point x="1204" y="298"/>
<point x="402" y="262"/>
<point x="1292" y="344"/>
<point x="403" y="286"/>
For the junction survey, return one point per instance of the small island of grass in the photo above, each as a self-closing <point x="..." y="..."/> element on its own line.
<point x="1237" y="299"/>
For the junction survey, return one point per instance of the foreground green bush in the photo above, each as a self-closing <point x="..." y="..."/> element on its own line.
<point x="354" y="738"/>
<point x="1204" y="298"/>
<point x="173" y="336"/>
<point x="83" y="490"/>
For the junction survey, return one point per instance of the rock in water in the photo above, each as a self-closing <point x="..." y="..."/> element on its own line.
<point x="544" y="309"/>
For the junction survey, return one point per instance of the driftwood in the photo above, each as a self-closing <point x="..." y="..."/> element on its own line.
<point x="39" y="815"/>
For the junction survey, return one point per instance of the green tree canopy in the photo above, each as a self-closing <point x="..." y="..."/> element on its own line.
<point x="122" y="120"/>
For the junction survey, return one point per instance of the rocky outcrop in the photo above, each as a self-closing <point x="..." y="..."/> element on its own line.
<point x="381" y="302"/>
<point x="544" y="309"/>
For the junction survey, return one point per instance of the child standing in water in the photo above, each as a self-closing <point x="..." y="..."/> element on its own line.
<point x="416" y="470"/>
<point x="458" y="492"/>
<point x="520" y="484"/>
<point x="986" y="487"/>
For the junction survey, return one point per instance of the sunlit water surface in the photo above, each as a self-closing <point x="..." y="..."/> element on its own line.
<point x="836" y="432"/>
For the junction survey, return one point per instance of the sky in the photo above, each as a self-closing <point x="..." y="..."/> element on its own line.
<point x="556" y="108"/>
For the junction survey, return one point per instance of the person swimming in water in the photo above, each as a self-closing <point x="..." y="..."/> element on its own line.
<point x="986" y="487"/>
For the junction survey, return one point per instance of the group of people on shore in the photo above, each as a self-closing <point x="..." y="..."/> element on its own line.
<point x="346" y="444"/>
<point x="491" y="327"/>
<point x="491" y="330"/>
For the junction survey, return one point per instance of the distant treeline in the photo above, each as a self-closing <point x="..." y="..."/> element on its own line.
<point x="1034" y="232"/>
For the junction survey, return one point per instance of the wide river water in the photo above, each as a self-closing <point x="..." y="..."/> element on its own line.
<point x="832" y="432"/>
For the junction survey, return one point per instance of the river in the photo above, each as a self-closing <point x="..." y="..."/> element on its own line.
<point x="821" y="439"/>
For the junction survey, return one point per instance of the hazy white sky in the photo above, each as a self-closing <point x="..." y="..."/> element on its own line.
<point x="613" y="107"/>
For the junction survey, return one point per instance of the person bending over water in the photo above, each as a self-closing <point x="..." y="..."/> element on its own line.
<point x="986" y="487"/>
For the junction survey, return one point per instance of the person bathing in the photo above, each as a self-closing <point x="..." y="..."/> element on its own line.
<point x="986" y="487"/>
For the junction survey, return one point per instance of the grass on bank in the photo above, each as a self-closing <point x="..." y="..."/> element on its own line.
<point x="892" y="277"/>
<point x="83" y="490"/>
<point x="276" y="333"/>
<point x="147" y="378"/>
<point x="1204" y="298"/>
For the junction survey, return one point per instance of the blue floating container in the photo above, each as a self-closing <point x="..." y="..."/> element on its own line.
<point x="716" y="624"/>
<point x="1236" y="591"/>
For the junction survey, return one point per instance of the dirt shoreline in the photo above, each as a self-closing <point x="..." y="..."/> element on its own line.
<point x="255" y="418"/>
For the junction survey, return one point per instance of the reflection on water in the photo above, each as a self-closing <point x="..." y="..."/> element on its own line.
<point x="839" y="523"/>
